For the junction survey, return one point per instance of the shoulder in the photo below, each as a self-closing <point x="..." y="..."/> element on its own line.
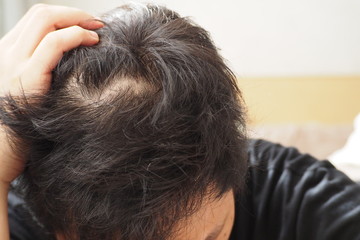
<point x="291" y="195"/>
<point x="23" y="226"/>
<point x="272" y="156"/>
<point x="286" y="165"/>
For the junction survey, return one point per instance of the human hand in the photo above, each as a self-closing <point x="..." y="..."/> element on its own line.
<point x="29" y="53"/>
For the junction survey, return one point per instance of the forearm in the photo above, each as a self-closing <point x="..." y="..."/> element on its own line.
<point x="4" y="222"/>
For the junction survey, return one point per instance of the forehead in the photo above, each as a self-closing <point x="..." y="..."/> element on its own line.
<point x="215" y="217"/>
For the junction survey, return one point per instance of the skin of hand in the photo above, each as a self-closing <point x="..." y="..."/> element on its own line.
<point x="28" y="54"/>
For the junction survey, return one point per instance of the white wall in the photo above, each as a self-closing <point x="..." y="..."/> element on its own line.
<point x="272" y="37"/>
<point x="11" y="11"/>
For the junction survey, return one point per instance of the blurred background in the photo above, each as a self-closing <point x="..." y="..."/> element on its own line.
<point x="297" y="62"/>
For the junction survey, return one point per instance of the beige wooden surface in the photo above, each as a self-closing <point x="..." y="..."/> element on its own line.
<point x="279" y="100"/>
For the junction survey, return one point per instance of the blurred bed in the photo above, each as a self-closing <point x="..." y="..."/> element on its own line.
<point x="338" y="143"/>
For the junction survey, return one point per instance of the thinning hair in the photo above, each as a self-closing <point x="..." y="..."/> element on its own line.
<point x="134" y="133"/>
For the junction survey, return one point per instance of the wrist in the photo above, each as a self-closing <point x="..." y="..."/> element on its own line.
<point x="4" y="187"/>
<point x="4" y="223"/>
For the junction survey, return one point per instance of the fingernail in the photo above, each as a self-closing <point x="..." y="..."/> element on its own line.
<point x="99" y="21"/>
<point x="94" y="35"/>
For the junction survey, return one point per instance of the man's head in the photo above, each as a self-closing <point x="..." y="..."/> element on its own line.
<point x="136" y="134"/>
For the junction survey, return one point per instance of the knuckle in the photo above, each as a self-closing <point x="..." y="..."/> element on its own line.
<point x="53" y="39"/>
<point x="41" y="11"/>
<point x="79" y="31"/>
<point x="38" y="6"/>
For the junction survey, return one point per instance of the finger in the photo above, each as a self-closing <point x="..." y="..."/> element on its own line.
<point x="45" y="19"/>
<point x="92" y="24"/>
<point x="50" y="51"/>
<point x="36" y="9"/>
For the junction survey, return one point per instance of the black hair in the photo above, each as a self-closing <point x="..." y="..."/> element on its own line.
<point x="134" y="133"/>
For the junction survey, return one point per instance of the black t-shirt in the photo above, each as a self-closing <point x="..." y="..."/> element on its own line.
<point x="292" y="196"/>
<point x="289" y="196"/>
